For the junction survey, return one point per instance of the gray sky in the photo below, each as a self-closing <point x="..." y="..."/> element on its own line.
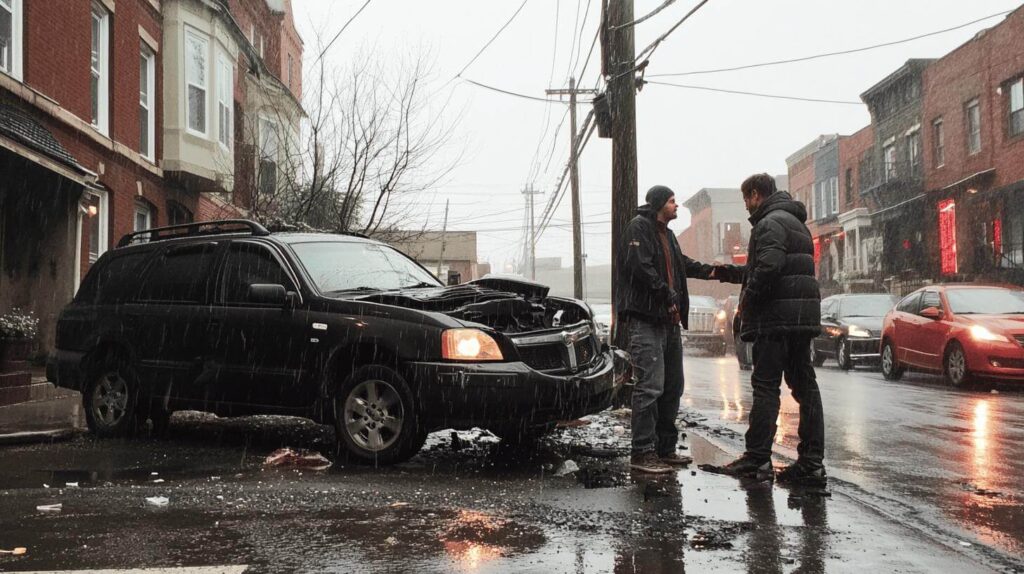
<point x="688" y="139"/>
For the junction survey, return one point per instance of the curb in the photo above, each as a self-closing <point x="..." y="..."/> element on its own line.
<point x="35" y="437"/>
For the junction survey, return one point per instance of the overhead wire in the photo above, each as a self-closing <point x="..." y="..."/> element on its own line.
<point x="757" y="94"/>
<point x="493" y="38"/>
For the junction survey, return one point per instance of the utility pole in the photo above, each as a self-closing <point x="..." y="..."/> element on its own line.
<point x="574" y="181"/>
<point x="531" y="245"/>
<point x="444" y="236"/>
<point x="619" y="55"/>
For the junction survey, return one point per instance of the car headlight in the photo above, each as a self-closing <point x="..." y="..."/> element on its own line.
<point x="721" y="315"/>
<point x="469" y="345"/>
<point x="856" y="331"/>
<point x="980" y="333"/>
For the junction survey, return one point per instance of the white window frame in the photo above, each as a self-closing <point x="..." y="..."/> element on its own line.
<point x="145" y="52"/>
<point x="192" y="33"/>
<point x="834" y="195"/>
<point x="1016" y="104"/>
<point x="939" y="143"/>
<point x="265" y="121"/>
<point x="144" y="211"/>
<point x="17" y="38"/>
<point x="973" y="104"/>
<point x="914" y="150"/>
<point x="103" y="215"/>
<point x="225" y="100"/>
<point x="261" y="47"/>
<point x="889" y="162"/>
<point x="102" y="72"/>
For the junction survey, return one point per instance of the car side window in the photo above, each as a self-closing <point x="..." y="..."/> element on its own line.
<point x="180" y="275"/>
<point x="251" y="264"/>
<point x="931" y="299"/>
<point x="106" y="283"/>
<point x="909" y="304"/>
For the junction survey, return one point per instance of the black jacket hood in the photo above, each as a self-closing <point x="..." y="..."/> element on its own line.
<point x="780" y="200"/>
<point x="647" y="211"/>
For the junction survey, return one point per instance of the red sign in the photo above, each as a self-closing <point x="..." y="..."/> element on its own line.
<point x="817" y="251"/>
<point x="997" y="239"/>
<point x="947" y="236"/>
<point x="739" y="258"/>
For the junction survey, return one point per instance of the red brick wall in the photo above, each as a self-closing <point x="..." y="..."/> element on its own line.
<point x="801" y="181"/>
<point x="851" y="150"/>
<point x="976" y="69"/>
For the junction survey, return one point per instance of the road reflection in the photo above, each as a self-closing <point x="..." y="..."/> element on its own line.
<point x="473" y="538"/>
<point x="767" y="551"/>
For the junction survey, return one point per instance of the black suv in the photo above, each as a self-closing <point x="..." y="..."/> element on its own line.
<point x="230" y="318"/>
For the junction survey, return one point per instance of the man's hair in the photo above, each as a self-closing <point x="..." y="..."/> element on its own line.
<point x="760" y="183"/>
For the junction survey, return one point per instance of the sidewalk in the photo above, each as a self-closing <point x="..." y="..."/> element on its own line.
<point x="39" y="412"/>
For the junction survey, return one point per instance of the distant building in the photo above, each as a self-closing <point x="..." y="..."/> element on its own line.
<point x="440" y="252"/>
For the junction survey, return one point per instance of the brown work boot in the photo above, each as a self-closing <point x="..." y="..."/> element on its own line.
<point x="650" y="463"/>
<point x="676" y="459"/>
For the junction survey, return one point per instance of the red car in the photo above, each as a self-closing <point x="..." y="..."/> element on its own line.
<point x="966" y="332"/>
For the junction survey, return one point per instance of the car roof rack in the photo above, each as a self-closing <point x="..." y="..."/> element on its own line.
<point x="199" y="228"/>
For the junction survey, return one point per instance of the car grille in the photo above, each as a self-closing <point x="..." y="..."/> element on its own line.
<point x="555" y="355"/>
<point x="1020" y="338"/>
<point x="701" y="322"/>
<point x="544" y="357"/>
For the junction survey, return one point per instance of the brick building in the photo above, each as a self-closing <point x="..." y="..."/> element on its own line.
<point x="814" y="181"/>
<point x="856" y="241"/>
<point x="974" y="156"/>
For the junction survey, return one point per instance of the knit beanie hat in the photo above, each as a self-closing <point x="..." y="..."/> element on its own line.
<point x="658" y="196"/>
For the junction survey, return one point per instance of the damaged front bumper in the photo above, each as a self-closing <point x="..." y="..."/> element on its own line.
<point x="512" y="393"/>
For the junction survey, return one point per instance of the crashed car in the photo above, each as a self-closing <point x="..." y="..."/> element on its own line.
<point x="230" y="318"/>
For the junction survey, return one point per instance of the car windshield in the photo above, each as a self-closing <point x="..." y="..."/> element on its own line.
<point x="700" y="301"/>
<point x="867" y="305"/>
<point x="995" y="301"/>
<point x="339" y="266"/>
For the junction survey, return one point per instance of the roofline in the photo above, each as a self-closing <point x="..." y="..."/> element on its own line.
<point x="911" y="66"/>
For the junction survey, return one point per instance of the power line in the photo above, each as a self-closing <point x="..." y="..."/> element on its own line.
<point x="336" y="36"/>
<point x="830" y="54"/>
<point x="649" y="50"/>
<point x="493" y="38"/>
<point x="510" y="93"/>
<point x="649" y="15"/>
<point x="760" y="95"/>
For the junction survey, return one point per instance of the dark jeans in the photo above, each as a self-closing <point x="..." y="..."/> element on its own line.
<point x="773" y="357"/>
<point x="656" y="351"/>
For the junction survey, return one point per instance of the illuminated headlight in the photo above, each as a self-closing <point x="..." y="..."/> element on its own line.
<point x="721" y="315"/>
<point x="469" y="345"/>
<point x="980" y="333"/>
<point x="856" y="331"/>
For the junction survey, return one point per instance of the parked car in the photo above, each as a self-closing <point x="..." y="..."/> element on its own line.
<point x="967" y="332"/>
<point x="708" y="329"/>
<point x="744" y="351"/>
<point x="230" y="318"/>
<point x="851" y="328"/>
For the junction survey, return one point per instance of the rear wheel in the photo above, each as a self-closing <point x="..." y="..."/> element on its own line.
<point x="111" y="401"/>
<point x="954" y="365"/>
<point x="843" y="355"/>
<point x="816" y="358"/>
<point x="376" y="420"/>
<point x="891" y="370"/>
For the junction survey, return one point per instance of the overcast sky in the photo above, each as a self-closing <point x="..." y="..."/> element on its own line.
<point x="688" y="139"/>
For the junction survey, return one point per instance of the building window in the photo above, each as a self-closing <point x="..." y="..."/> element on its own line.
<point x="143" y="219"/>
<point x="914" y="152"/>
<point x="939" y="141"/>
<point x="849" y="184"/>
<point x="889" y="157"/>
<point x="252" y="34"/>
<point x="97" y="217"/>
<point x="147" y="97"/>
<point x="10" y="37"/>
<point x="197" y="49"/>
<point x="1017" y="107"/>
<point x="833" y="203"/>
<point x="269" y="149"/>
<point x="100" y="64"/>
<point x="225" y="85"/>
<point x="178" y="214"/>
<point x="291" y="64"/>
<point x="261" y="47"/>
<point x="973" y="127"/>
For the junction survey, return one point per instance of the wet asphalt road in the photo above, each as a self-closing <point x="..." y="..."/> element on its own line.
<point x="948" y="459"/>
<point x="901" y="452"/>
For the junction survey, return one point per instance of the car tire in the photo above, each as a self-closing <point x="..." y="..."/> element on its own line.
<point x="111" y="401"/>
<point x="891" y="369"/>
<point x="817" y="359"/>
<point x="954" y="366"/>
<point x="843" y="355"/>
<point x="376" y="420"/>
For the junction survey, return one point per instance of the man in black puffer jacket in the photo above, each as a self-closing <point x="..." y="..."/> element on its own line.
<point x="651" y="302"/>
<point x="780" y="311"/>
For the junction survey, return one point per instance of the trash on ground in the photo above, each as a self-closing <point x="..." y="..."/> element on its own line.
<point x="50" y="507"/>
<point x="298" y="458"/>
<point x="16" y="552"/>
<point x="158" y="481"/>
<point x="157" y="500"/>
<point x="567" y="467"/>
<point x="573" y="423"/>
<point x="965" y="544"/>
<point x="71" y="484"/>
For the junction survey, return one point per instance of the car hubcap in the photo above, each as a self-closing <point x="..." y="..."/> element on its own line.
<point x="374" y="415"/>
<point x="110" y="399"/>
<point x="841" y="354"/>
<point x="957" y="366"/>
<point x="887" y="359"/>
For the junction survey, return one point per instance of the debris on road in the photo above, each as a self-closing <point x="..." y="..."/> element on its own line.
<point x="16" y="552"/>
<point x="157" y="500"/>
<point x="50" y="507"/>
<point x="297" y="458"/>
<point x="567" y="467"/>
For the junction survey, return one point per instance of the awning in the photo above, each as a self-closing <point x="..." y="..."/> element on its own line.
<point x="975" y="179"/>
<point x="22" y="135"/>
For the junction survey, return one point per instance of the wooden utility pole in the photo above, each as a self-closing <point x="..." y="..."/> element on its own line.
<point x="574" y="181"/>
<point x="619" y="54"/>
<point x="531" y="245"/>
<point x="444" y="236"/>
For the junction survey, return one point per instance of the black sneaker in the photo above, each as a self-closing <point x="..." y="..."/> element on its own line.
<point x="676" y="459"/>
<point x="744" y="467"/>
<point x="801" y="475"/>
<point x="650" y="463"/>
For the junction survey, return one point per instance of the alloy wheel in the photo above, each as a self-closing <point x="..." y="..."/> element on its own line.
<point x="110" y="399"/>
<point x="374" y="415"/>
<point x="956" y="365"/>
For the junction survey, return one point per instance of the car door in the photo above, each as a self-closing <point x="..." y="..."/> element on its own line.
<point x="904" y="326"/>
<point x="824" y="343"/>
<point x="168" y="315"/>
<point x="260" y="348"/>
<point x="932" y="333"/>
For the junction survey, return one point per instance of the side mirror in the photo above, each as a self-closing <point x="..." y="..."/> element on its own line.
<point x="933" y="313"/>
<point x="263" y="294"/>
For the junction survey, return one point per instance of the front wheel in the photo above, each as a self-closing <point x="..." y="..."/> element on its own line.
<point x="954" y="365"/>
<point x="816" y="358"/>
<point x="111" y="402"/>
<point x="843" y="355"/>
<point x="891" y="370"/>
<point x="376" y="420"/>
